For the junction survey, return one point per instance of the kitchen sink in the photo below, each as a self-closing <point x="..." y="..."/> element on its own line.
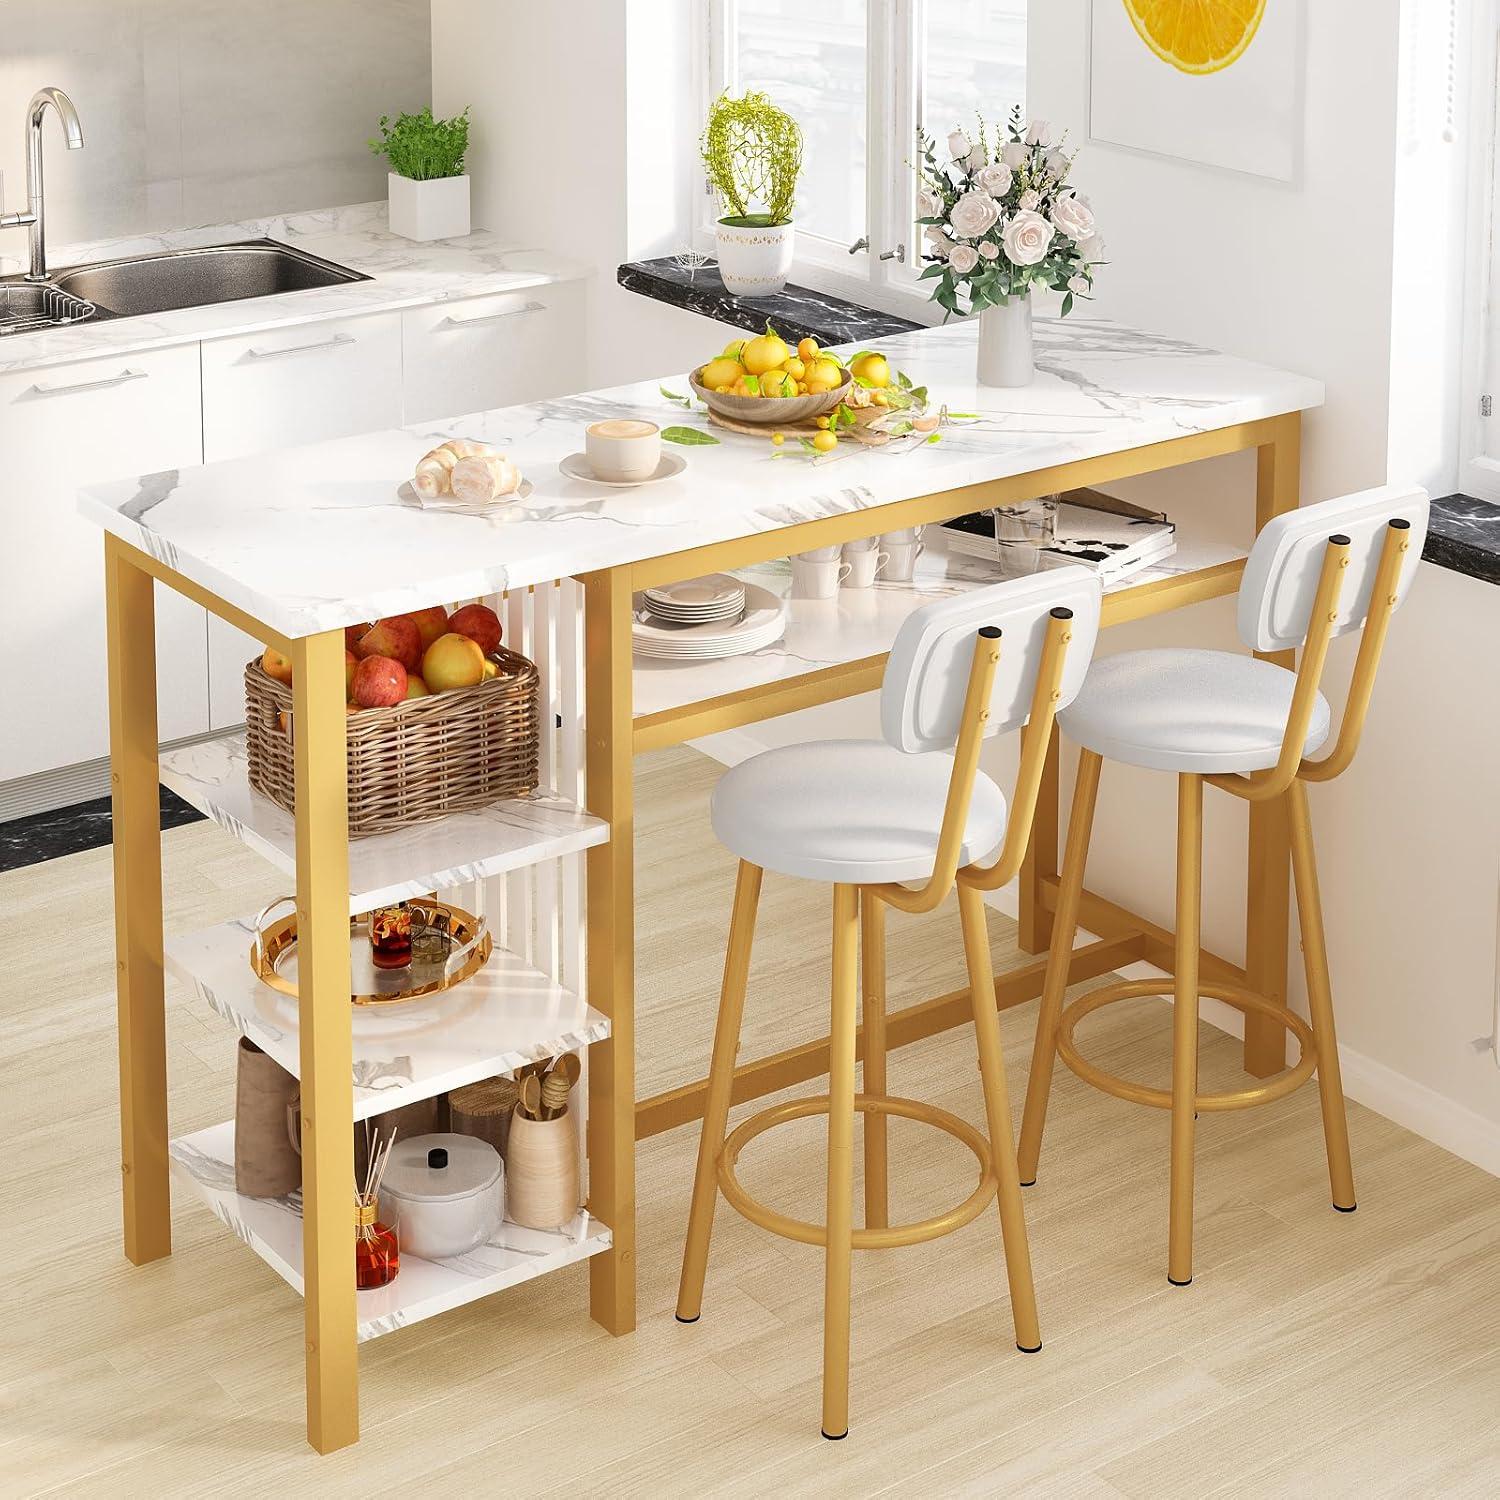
<point x="25" y="306"/>
<point x="173" y="279"/>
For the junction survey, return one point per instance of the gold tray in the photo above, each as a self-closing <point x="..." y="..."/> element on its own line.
<point x="454" y="945"/>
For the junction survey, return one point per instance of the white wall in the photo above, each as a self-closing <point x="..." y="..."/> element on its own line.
<point x="205" y="111"/>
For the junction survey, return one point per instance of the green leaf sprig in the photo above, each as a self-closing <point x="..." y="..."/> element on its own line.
<point x="752" y="152"/>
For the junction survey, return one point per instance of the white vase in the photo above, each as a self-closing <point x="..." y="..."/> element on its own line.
<point x="1005" y="343"/>
<point x="437" y="209"/>
<point x="754" y="259"/>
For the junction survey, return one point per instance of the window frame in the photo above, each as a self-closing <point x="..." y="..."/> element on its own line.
<point x="1478" y="472"/>
<point x="894" y="42"/>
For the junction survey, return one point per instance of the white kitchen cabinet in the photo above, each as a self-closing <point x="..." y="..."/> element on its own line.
<point x="274" y="390"/>
<point x="481" y="352"/>
<point x="62" y="427"/>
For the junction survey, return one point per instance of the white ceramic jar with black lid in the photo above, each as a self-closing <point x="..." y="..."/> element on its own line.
<point x="444" y="1195"/>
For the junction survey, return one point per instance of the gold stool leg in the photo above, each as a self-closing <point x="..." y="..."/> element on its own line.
<point x="840" y="1217"/>
<point x="997" y="1113"/>
<point x="1185" y="1025"/>
<point x="1059" y="958"/>
<point x="720" y="1083"/>
<point x="872" y="982"/>
<point x="1320" y="1000"/>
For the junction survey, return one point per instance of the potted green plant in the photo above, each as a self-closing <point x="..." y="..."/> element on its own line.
<point x="427" y="187"/>
<point x="752" y="151"/>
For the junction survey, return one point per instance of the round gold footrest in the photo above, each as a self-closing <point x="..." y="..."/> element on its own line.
<point x="863" y="1239"/>
<point x="1236" y="995"/>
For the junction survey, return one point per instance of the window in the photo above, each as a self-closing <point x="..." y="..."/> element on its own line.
<point x="1479" y="427"/>
<point x="859" y="75"/>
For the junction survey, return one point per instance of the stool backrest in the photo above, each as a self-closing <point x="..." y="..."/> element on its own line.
<point x="1281" y="576"/>
<point x="926" y="677"/>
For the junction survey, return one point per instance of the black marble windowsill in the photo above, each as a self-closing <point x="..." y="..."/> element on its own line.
<point x="1464" y="534"/>
<point x="797" y="312"/>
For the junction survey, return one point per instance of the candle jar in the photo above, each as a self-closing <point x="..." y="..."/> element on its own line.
<point x="390" y="936"/>
<point x="377" y="1256"/>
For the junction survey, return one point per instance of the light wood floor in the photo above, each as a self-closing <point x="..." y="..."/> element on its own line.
<point x="1314" y="1353"/>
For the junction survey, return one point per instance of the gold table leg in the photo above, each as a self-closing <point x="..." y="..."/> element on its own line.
<point x="872" y="983"/>
<point x="1268" y="888"/>
<point x="326" y="1040"/>
<point x="611" y="943"/>
<point x="130" y="608"/>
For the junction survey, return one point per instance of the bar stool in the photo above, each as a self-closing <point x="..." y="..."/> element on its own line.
<point x="895" y="822"/>
<point x="1244" y="725"/>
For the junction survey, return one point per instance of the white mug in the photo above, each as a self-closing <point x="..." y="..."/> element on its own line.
<point x="860" y="544"/>
<point x="623" y="448"/>
<point x="822" y="554"/>
<point x="863" y="564"/>
<point x="907" y="535"/>
<point x="903" y="560"/>
<point x="817" y="578"/>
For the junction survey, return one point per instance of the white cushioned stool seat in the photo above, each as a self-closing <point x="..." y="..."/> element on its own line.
<point x="1189" y="710"/>
<point x="850" y="812"/>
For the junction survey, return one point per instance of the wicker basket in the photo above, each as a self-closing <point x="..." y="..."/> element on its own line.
<point x="418" y="760"/>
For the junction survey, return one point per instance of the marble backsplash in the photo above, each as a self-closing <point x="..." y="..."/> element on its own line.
<point x="205" y="111"/>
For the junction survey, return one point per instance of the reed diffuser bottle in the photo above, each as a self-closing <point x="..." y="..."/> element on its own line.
<point x="377" y="1255"/>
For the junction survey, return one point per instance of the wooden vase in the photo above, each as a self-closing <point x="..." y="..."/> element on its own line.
<point x="541" y="1168"/>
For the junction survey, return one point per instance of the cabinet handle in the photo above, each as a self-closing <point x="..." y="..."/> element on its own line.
<point x="335" y="342"/>
<point x="514" y="312"/>
<point x="43" y="388"/>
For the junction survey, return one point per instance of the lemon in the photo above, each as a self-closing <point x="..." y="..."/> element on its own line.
<point x="765" y="353"/>
<point x="720" y="371"/>
<point x="777" y="439"/>
<point x="1196" y="36"/>
<point x="808" y="349"/>
<point x="795" y="368"/>
<point x="734" y="350"/>
<point x="822" y="421"/>
<point x="874" y="368"/>
<point x="823" y="375"/>
<point x="825" y="442"/>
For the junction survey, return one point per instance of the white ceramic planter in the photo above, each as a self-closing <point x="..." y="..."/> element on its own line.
<point x="437" y="209"/>
<point x="1005" y="343"/>
<point x="754" y="259"/>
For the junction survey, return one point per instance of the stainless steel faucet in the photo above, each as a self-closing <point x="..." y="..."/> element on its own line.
<point x="35" y="214"/>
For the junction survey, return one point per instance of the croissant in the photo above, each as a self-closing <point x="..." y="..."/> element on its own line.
<point x="478" y="479"/>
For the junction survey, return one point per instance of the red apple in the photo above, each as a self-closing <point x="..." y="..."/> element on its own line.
<point x="396" y="636"/>
<point x="430" y="622"/>
<point x="480" y="623"/>
<point x="274" y="664"/>
<point x="351" y="661"/>
<point x="352" y="634"/>
<point x="379" y="682"/>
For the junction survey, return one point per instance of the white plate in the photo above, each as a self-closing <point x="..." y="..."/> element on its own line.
<point x="576" y="466"/>
<point x="763" y="622"/>
<point x="697" y="616"/>
<point x="699" y="593"/>
<point x="408" y="496"/>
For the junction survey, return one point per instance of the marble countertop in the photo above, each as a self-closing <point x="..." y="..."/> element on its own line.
<point x="314" y="538"/>
<point x="1464" y="535"/>
<point x="796" y="312"/>
<point x="406" y="274"/>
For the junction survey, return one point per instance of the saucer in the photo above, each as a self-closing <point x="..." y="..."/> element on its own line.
<point x="576" y="466"/>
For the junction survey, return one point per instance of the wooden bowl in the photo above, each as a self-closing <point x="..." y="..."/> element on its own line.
<point x="771" y="411"/>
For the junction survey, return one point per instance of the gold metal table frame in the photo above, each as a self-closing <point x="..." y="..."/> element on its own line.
<point x="614" y="737"/>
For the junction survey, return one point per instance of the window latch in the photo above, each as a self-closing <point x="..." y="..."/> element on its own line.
<point x="898" y="255"/>
<point x="862" y="243"/>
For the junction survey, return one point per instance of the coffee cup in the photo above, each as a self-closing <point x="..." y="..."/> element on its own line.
<point x="623" y="449"/>
<point x="903" y="558"/>
<point x="863" y="563"/>
<point x="817" y="578"/>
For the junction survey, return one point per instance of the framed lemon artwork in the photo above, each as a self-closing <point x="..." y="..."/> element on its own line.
<point x="1216" y="82"/>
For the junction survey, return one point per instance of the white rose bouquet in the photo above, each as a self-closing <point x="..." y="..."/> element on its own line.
<point x="999" y="218"/>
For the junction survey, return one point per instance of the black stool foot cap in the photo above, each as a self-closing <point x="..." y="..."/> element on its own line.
<point x="1032" y="1183"/>
<point x="692" y="1319"/>
<point x="1035" y="1349"/>
<point x="1175" y="1282"/>
<point x="1339" y="1208"/>
<point x="837" y="1437"/>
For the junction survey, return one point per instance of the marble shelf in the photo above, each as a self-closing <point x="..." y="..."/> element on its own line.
<point x="505" y="1016"/>
<point x="272" y="1227"/>
<point x="212" y="775"/>
<point x="858" y="623"/>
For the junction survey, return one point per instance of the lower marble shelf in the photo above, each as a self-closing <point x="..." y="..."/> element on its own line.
<point x="506" y="1015"/>
<point x="860" y="623"/>
<point x="272" y="1227"/>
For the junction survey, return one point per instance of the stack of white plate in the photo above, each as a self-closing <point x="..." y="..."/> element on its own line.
<point x="697" y="601"/>
<point x="759" y="620"/>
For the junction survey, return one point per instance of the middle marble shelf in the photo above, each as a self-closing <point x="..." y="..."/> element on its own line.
<point x="506" y="1015"/>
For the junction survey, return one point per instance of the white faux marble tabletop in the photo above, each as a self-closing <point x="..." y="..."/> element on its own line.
<point x="314" y="538"/>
